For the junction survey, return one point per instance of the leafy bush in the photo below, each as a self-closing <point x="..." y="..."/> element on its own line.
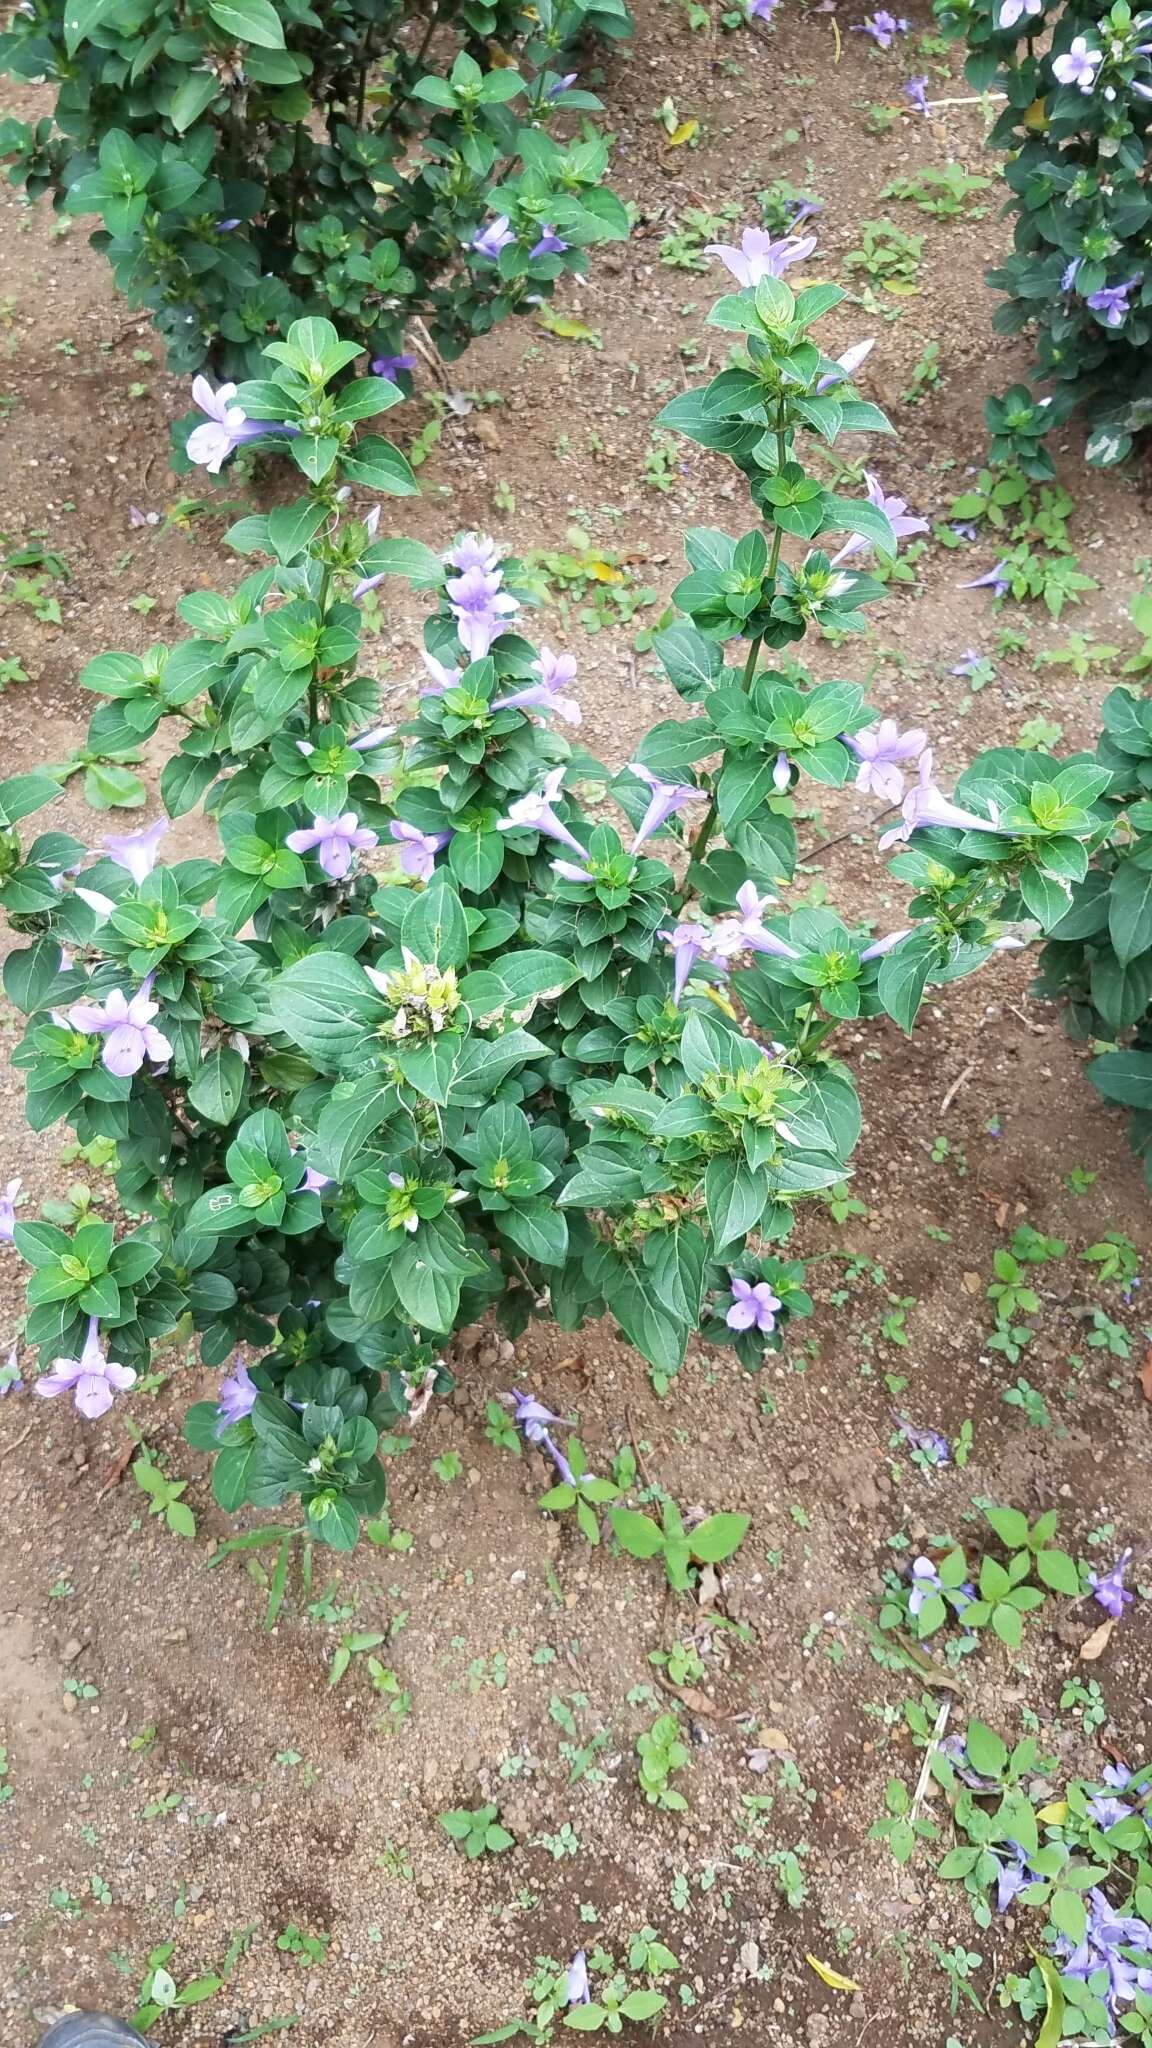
<point x="257" y="162"/>
<point x="1076" y="125"/>
<point x="1098" y="959"/>
<point x="358" y="1108"/>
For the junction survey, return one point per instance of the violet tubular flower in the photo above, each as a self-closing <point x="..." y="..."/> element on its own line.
<point x="994" y="579"/>
<point x="554" y="671"/>
<point x="914" y="93"/>
<point x="442" y="678"/>
<point x="576" y="1988"/>
<point x="334" y="841"/>
<point x="689" y="942"/>
<point x="474" y="551"/>
<point x="92" y="1379"/>
<point x="895" y="510"/>
<point x="846" y="365"/>
<point x="1112" y="301"/>
<point x="480" y="608"/>
<point x="238" y="1395"/>
<point x="535" y="813"/>
<point x="1109" y="1590"/>
<point x="925" y="806"/>
<point x="125" y="1024"/>
<point x="1106" y="1809"/>
<point x="534" y="1422"/>
<point x="388" y="366"/>
<point x="549" y="244"/>
<point x="137" y="851"/>
<point x="926" y="1580"/>
<point x="759" y="256"/>
<point x="882" y="27"/>
<point x="1106" y="1934"/>
<point x="881" y="751"/>
<point x="418" y="849"/>
<point x="753" y="1306"/>
<point x="492" y="239"/>
<point x="8" y="1210"/>
<point x="745" y="932"/>
<point x="227" y="425"/>
<point x="665" y="800"/>
<point x="10" y="1380"/>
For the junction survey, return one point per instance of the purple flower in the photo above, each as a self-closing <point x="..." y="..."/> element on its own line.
<point x="561" y="85"/>
<point x="368" y="741"/>
<point x="753" y="1307"/>
<point x="1107" y="1933"/>
<point x="92" y="1379"/>
<point x="387" y="366"/>
<point x="1013" y="1876"/>
<point x="418" y="857"/>
<point x="137" y="851"/>
<point x="761" y="10"/>
<point x="227" y="425"/>
<point x="480" y="608"/>
<point x="688" y="941"/>
<point x="534" y="813"/>
<point x="492" y="239"/>
<point x="925" y="805"/>
<point x="782" y="773"/>
<point x="336" y="840"/>
<point x="550" y="243"/>
<point x="1106" y="1811"/>
<point x="1079" y="65"/>
<point x="759" y="256"/>
<point x="1068" y="276"/>
<point x="1109" y="1591"/>
<point x="666" y="798"/>
<point x="880" y="750"/>
<point x="846" y="365"/>
<point x="926" y="1580"/>
<point x="238" y="1395"/>
<point x="8" y="1209"/>
<point x="554" y="671"/>
<point x="913" y="91"/>
<point x="474" y="551"/>
<point x="1019" y="10"/>
<point x="895" y="511"/>
<point x="125" y="1024"/>
<point x="10" y="1380"/>
<point x="968" y="663"/>
<point x="576" y="1991"/>
<point x="929" y="1441"/>
<point x="994" y="580"/>
<point x="1112" y="301"/>
<point x="533" y="1419"/>
<point x="442" y="678"/>
<point x="879" y="947"/>
<point x="882" y="26"/>
<point x="569" y="872"/>
<point x="746" y="932"/>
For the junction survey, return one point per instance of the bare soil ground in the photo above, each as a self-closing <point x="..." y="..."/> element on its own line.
<point x="176" y="1773"/>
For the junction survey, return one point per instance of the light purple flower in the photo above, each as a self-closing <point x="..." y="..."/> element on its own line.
<point x="102" y="905"/>
<point x="880" y="750"/>
<point x="1109" y="1590"/>
<point x="137" y="851"/>
<point x="225" y="227"/>
<point x="666" y="798"/>
<point x="759" y="256"/>
<point x="913" y="90"/>
<point x="238" y="1395"/>
<point x="1112" y="301"/>
<point x="492" y="239"/>
<point x="746" y="932"/>
<point x="968" y="663"/>
<point x="367" y="583"/>
<point x="879" y="947"/>
<point x="533" y="1420"/>
<point x="929" y="1441"/>
<point x="92" y="1379"/>
<point x="474" y="551"/>
<point x="419" y="849"/>
<point x="925" y="805"/>
<point x="895" y="511"/>
<point x="688" y="941"/>
<point x="335" y="841"/>
<point x="1106" y="1810"/>
<point x="846" y="365"/>
<point x="761" y="10"/>
<point x="368" y="741"/>
<point x="8" y="1209"/>
<point x="387" y="366"/>
<point x="1107" y="1933"/>
<point x="480" y="608"/>
<point x="534" y="813"/>
<point x="125" y="1024"/>
<point x="993" y="579"/>
<point x="442" y="678"/>
<point x="782" y="774"/>
<point x="926" y="1580"/>
<point x="10" y="1380"/>
<point x="1079" y="65"/>
<point x="561" y="85"/>
<point x="1012" y="1877"/>
<point x="555" y="671"/>
<point x="550" y="243"/>
<point x="226" y="426"/>
<point x="1018" y="10"/>
<point x="753" y="1307"/>
<point x="569" y="872"/>
<point x="1068" y="276"/>
<point x="576" y="1991"/>
<point x="882" y="26"/>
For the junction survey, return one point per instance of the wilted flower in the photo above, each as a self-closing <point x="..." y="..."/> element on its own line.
<point x="914" y="93"/>
<point x="1109" y="1590"/>
<point x="1079" y="65"/>
<point x="1012" y="1876"/>
<point x="418" y="849"/>
<point x="926" y="1580"/>
<point x="925" y="805"/>
<point x="993" y="579"/>
<point x="125" y="1024"/>
<point x="227" y="425"/>
<point x="881" y="749"/>
<point x="1107" y="1933"/>
<point x="666" y="798"/>
<point x="535" y="813"/>
<point x="1106" y="1810"/>
<point x="335" y="841"/>
<point x="92" y="1379"/>
<point x="968" y="663"/>
<point x="136" y="851"/>
<point x="8" y="1209"/>
<point x="533" y="1421"/>
<point x="761" y="10"/>
<point x="759" y="256"/>
<point x="10" y="1380"/>
<point x="929" y="1441"/>
<point x="882" y="26"/>
<point x="492" y="239"/>
<point x="1112" y="301"/>
<point x="238" y="1395"/>
<point x="753" y="1307"/>
<point x="576" y="1991"/>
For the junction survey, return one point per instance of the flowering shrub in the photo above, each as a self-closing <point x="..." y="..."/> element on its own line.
<point x="518" y="1065"/>
<point x="257" y="162"/>
<point x="1076" y="123"/>
<point x="1098" y="959"/>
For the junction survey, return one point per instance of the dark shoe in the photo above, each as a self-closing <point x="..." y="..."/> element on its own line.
<point x="92" y="2030"/>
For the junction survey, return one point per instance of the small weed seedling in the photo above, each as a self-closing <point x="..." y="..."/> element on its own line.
<point x="710" y="1542"/>
<point x="164" y="1495"/>
<point x="478" y="1831"/>
<point x="159" y="1993"/>
<point x="944" y="193"/>
<point x="661" y="1751"/>
<point x="888" y="257"/>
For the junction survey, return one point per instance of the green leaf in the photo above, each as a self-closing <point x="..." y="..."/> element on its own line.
<point x="718" y="1537"/>
<point x="987" y="1753"/>
<point x="1010" y="1526"/>
<point x="638" y="1534"/>
<point x="1124" y="1077"/>
<point x="1130" y="910"/>
<point x="1056" y="1569"/>
<point x="476" y="859"/>
<point x="1007" y="1625"/>
<point x="435" y="928"/>
<point x="1052" y="2032"/>
<point x="585" y="2019"/>
<point x="195" y="92"/>
<point x="81" y="17"/>
<point x="735" y="1198"/>
<point x="216" y="1092"/>
<point x="378" y="464"/>
<point x="250" y="21"/>
<point x="324" y="1003"/>
<point x="538" y="1229"/>
<point x="642" y="2005"/>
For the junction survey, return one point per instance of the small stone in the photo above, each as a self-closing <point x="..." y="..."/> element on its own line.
<point x="71" y="1650"/>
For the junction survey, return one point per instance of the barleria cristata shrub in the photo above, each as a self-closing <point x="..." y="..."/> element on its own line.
<point x="457" y="1018"/>
<point x="251" y="162"/>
